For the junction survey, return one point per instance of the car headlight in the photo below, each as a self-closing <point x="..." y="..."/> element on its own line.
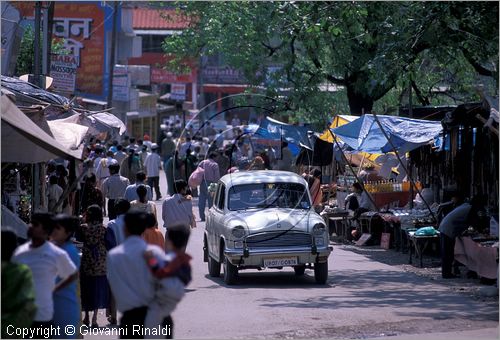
<point x="238" y="232"/>
<point x="238" y="244"/>
<point x="319" y="229"/>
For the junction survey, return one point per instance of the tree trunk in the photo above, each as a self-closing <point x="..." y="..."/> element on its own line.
<point x="359" y="103"/>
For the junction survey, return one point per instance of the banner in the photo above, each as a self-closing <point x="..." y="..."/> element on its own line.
<point x="178" y="92"/>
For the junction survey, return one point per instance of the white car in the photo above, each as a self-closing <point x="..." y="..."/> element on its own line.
<point x="264" y="219"/>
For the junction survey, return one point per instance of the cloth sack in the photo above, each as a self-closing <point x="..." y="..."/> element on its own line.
<point x="196" y="177"/>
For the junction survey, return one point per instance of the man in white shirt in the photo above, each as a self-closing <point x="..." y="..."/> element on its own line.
<point x="47" y="262"/>
<point x="130" y="279"/>
<point x="102" y="171"/>
<point x="178" y="209"/>
<point x="153" y="167"/>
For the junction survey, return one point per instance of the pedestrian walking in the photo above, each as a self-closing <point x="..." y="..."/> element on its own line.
<point x="66" y="300"/>
<point x="114" y="188"/>
<point x="129" y="276"/>
<point x="286" y="161"/>
<point x="178" y="208"/>
<point x="122" y="206"/>
<point x="143" y="204"/>
<point x="174" y="172"/>
<point x="94" y="285"/>
<point x="18" y="292"/>
<point x="91" y="194"/>
<point x="131" y="165"/>
<point x="152" y="235"/>
<point x="54" y="193"/>
<point x="152" y="165"/>
<point x="131" y="191"/>
<point x="167" y="149"/>
<point x="47" y="262"/>
<point x="174" y="275"/>
<point x="119" y="154"/>
<point x="212" y="175"/>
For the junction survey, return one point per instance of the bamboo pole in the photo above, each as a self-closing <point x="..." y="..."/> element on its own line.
<point x="404" y="166"/>
<point x="353" y="172"/>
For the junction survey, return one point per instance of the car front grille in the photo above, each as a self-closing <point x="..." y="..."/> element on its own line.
<point x="279" y="239"/>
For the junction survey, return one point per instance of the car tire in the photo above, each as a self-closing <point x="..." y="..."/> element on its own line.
<point x="321" y="272"/>
<point x="213" y="267"/>
<point x="299" y="270"/>
<point x="230" y="272"/>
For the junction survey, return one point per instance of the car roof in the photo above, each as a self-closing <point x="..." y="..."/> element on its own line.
<point x="262" y="176"/>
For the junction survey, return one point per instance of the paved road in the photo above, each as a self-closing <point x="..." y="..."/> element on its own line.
<point x="362" y="299"/>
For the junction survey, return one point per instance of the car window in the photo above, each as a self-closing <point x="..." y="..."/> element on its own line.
<point x="268" y="195"/>
<point x="217" y="193"/>
<point x="222" y="196"/>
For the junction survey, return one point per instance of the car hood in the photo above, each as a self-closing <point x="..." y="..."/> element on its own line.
<point x="275" y="219"/>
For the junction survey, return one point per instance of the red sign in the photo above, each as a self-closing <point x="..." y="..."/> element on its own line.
<point x="79" y="27"/>
<point x="162" y="76"/>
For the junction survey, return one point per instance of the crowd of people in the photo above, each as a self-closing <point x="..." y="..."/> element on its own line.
<point x="77" y="262"/>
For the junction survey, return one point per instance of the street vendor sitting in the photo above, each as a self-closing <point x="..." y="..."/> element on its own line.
<point x="358" y="201"/>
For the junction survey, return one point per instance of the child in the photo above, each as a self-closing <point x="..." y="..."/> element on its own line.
<point x="174" y="274"/>
<point x="152" y="235"/>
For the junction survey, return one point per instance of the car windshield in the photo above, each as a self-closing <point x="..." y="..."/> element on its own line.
<point x="268" y="195"/>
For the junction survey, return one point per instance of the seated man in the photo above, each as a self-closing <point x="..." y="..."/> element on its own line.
<point x="358" y="201"/>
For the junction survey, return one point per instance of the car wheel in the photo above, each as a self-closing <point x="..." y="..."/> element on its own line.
<point x="321" y="272"/>
<point x="213" y="267"/>
<point x="299" y="270"/>
<point x="230" y="272"/>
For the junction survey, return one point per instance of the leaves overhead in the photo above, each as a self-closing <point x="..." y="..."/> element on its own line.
<point x="367" y="49"/>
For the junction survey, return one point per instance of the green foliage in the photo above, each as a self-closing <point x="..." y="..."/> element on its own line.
<point x="26" y="57"/>
<point x="370" y="50"/>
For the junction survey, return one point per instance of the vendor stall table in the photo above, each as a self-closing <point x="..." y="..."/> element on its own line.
<point x="382" y="199"/>
<point x="477" y="257"/>
<point x="339" y="221"/>
<point x="419" y="244"/>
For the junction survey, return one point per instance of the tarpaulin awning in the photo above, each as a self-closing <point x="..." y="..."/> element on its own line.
<point x="364" y="134"/>
<point x="70" y="135"/>
<point x="25" y="142"/>
<point x="337" y="121"/>
<point x="274" y="129"/>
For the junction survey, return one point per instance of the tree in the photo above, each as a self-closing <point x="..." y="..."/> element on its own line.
<point x="365" y="48"/>
<point x="26" y="58"/>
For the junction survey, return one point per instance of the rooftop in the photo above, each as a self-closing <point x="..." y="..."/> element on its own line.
<point x="154" y="19"/>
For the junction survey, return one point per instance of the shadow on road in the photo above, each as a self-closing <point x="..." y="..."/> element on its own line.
<point x="391" y="289"/>
<point x="269" y="280"/>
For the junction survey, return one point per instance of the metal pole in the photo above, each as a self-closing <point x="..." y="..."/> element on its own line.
<point x="404" y="166"/>
<point x="45" y="43"/>
<point x="36" y="64"/>
<point x="112" y="55"/>
<point x="50" y="23"/>
<point x="352" y="170"/>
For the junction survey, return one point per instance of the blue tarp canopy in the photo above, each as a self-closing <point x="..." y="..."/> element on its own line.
<point x="364" y="134"/>
<point x="275" y="130"/>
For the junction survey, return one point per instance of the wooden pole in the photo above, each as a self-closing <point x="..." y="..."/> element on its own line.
<point x="404" y="166"/>
<point x="353" y="172"/>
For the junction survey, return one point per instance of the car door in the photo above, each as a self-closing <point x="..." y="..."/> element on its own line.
<point x="219" y="217"/>
<point x="213" y="217"/>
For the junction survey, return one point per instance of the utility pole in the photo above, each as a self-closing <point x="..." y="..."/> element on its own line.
<point x="36" y="64"/>
<point x="50" y="24"/>
<point x="112" y="55"/>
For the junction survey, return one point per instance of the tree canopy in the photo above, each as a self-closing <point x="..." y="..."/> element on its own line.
<point x="365" y="49"/>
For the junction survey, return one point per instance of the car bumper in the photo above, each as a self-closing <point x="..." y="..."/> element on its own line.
<point x="256" y="256"/>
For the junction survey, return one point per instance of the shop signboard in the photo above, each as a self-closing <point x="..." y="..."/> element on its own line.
<point x="79" y="28"/>
<point x="162" y="76"/>
<point x="223" y="75"/>
<point x="178" y="92"/>
<point x="63" y="71"/>
<point x="121" y="83"/>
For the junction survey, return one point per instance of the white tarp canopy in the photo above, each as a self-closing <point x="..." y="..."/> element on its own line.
<point x="97" y="123"/>
<point x="68" y="134"/>
<point x="25" y="142"/>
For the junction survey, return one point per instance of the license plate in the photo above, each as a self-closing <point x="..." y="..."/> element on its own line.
<point x="281" y="262"/>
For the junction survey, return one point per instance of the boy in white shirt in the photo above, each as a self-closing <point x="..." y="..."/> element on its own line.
<point x="47" y="262"/>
